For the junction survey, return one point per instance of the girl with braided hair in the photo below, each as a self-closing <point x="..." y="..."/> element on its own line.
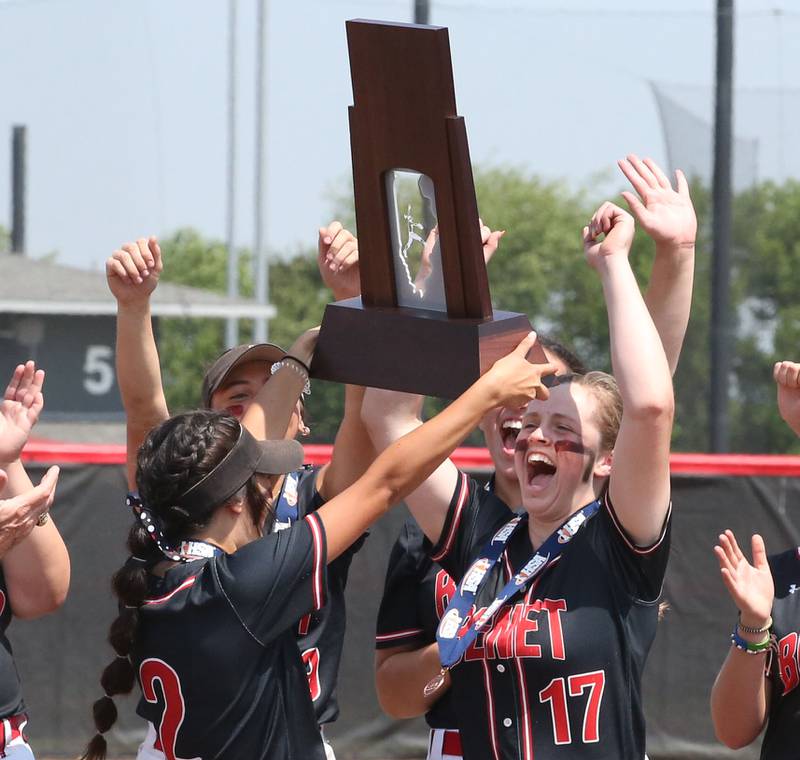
<point x="209" y="596"/>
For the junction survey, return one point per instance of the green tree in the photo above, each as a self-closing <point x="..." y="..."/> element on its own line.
<point x="539" y="270"/>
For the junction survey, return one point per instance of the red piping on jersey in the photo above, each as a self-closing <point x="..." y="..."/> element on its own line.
<point x="525" y="717"/>
<point x="468" y="458"/>
<point x="643" y="550"/>
<point x="407" y="634"/>
<point x="490" y="714"/>
<point x="462" y="499"/>
<point x="188" y="582"/>
<point x="316" y="535"/>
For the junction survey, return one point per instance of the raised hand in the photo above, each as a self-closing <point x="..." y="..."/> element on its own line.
<point x="490" y="240"/>
<point x="750" y="585"/>
<point x="133" y="270"/>
<point x="514" y="380"/>
<point x="666" y="215"/>
<point x="337" y="259"/>
<point x="19" y="515"/>
<point x="787" y="378"/>
<point x="19" y="410"/>
<point x="616" y="225"/>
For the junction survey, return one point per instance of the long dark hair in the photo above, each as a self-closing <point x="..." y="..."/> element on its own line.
<point x="174" y="456"/>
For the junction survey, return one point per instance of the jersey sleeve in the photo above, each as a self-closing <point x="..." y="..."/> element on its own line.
<point x="399" y="622"/>
<point x="640" y="568"/>
<point x="474" y="513"/>
<point x="272" y="582"/>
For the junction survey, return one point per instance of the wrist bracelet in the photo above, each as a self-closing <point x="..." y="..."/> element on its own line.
<point x="289" y="357"/>
<point x="749" y="629"/>
<point x="749" y="647"/>
<point x="300" y="370"/>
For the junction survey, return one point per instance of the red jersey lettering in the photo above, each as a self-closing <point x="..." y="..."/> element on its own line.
<point x="304" y="625"/>
<point x="498" y="641"/>
<point x="787" y="661"/>
<point x="154" y="671"/>
<point x="445" y="589"/>
<point x="311" y="661"/>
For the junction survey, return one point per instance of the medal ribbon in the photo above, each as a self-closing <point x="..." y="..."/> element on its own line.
<point x="452" y="641"/>
<point x="286" y="509"/>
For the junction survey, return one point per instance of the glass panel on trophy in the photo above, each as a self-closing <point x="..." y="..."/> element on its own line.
<point x="415" y="240"/>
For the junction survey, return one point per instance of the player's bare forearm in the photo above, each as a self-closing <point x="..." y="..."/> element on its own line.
<point x="138" y="377"/>
<point x="669" y="297"/>
<point x="268" y="416"/>
<point x="353" y="450"/>
<point x="740" y="699"/>
<point x="401" y="675"/>
<point x="389" y="415"/>
<point x="37" y="568"/>
<point x="402" y="467"/>
<point x="640" y="476"/>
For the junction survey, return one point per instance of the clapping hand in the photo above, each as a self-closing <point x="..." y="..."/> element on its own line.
<point x="19" y="410"/>
<point x="750" y="585"/>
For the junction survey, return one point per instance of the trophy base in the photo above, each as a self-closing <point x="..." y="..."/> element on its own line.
<point x="413" y="350"/>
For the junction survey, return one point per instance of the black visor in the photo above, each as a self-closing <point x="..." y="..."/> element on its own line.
<point x="247" y="457"/>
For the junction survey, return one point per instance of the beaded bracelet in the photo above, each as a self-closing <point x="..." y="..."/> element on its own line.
<point x="297" y="366"/>
<point x="749" y="647"/>
<point x="299" y="361"/>
<point x="749" y="629"/>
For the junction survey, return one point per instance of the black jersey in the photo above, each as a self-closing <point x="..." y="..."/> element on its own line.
<point x="558" y="672"/>
<point x="415" y="596"/>
<point x="320" y="634"/>
<point x="780" y="739"/>
<point x="10" y="693"/>
<point x="216" y="654"/>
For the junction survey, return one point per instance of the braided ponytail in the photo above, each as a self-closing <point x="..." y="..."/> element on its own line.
<point x="174" y="456"/>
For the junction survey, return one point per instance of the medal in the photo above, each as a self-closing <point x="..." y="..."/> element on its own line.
<point x="452" y="640"/>
<point x="435" y="683"/>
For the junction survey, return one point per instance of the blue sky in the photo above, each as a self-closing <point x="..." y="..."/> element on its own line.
<point x="125" y="102"/>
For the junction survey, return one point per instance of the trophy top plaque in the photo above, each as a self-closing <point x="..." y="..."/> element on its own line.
<point x="424" y="322"/>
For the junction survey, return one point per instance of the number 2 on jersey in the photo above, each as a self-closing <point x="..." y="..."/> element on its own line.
<point x="150" y="672"/>
<point x="556" y="693"/>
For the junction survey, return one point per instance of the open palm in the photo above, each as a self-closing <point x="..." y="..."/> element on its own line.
<point x="750" y="585"/>
<point x="19" y="410"/>
<point x="666" y="215"/>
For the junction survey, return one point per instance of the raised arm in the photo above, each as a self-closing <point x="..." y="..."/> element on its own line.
<point x="389" y="415"/>
<point x="409" y="462"/>
<point x="668" y="217"/>
<point x="639" y="483"/>
<point x="34" y="559"/>
<point x="132" y="273"/>
<point x="740" y="696"/>
<point x="787" y="379"/>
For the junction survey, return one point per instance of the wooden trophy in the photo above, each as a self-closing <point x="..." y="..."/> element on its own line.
<point x="424" y="322"/>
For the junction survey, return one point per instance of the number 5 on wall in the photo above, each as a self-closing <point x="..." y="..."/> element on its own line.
<point x="98" y="370"/>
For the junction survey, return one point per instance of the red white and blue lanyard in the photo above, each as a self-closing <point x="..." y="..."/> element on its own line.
<point x="452" y="640"/>
<point x="286" y="512"/>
